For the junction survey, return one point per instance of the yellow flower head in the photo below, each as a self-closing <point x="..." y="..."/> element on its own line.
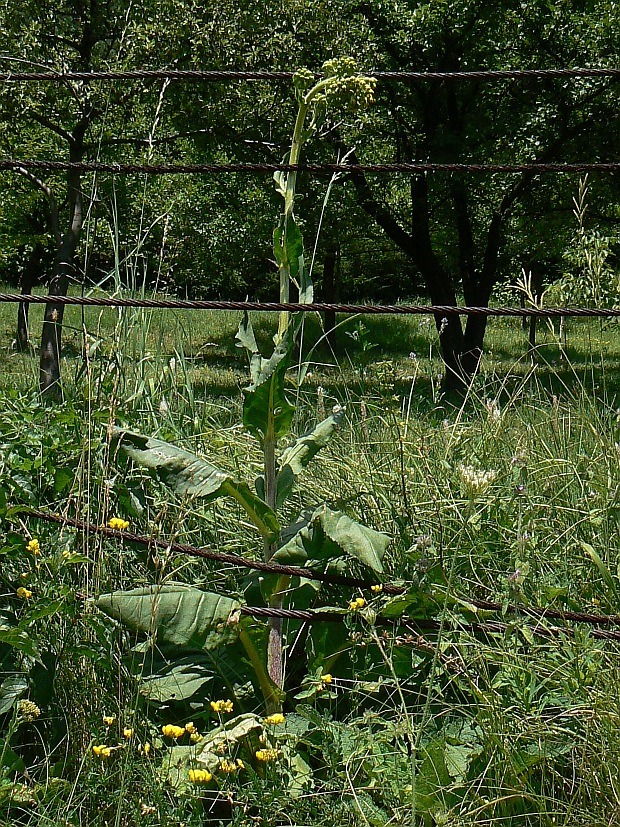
<point x="222" y="706"/>
<point x="275" y="719"/>
<point x="34" y="546"/>
<point x="118" y="524"/>
<point x="28" y="710"/>
<point x="24" y="593"/>
<point x="144" y="749"/>
<point x="109" y="720"/>
<point x="377" y="588"/>
<point x="356" y="604"/>
<point x="240" y="764"/>
<point x="200" y="776"/>
<point x="128" y="732"/>
<point x="101" y="751"/>
<point x="228" y="766"/>
<point x="173" y="731"/>
<point x="191" y="728"/>
<point x="266" y="754"/>
<point x="195" y="737"/>
<point x="326" y="678"/>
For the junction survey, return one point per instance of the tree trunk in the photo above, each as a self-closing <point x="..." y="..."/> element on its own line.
<point x="51" y="336"/>
<point x="30" y="277"/>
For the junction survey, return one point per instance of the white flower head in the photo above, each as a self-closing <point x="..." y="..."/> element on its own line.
<point x="474" y="481"/>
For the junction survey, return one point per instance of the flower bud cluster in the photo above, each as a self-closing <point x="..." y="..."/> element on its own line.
<point x="475" y="482"/>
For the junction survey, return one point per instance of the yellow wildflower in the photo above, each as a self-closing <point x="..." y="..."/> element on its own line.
<point x="377" y="588"/>
<point x="266" y="754"/>
<point x="66" y="554"/>
<point x="195" y="737"/>
<point x="240" y="764"/>
<point x="144" y="749"/>
<point x="147" y="809"/>
<point x="128" y="732"/>
<point x="109" y="720"/>
<point x="228" y="766"/>
<point x="222" y="706"/>
<point x="356" y="604"/>
<point x="275" y="719"/>
<point x="326" y="678"/>
<point x="173" y="731"/>
<point x="28" y="710"/>
<point x="34" y="546"/>
<point x="118" y="524"/>
<point x="200" y="776"/>
<point x="191" y="728"/>
<point x="101" y="751"/>
<point x="24" y="593"/>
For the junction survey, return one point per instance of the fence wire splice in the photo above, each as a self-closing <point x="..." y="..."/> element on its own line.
<point x="310" y="574"/>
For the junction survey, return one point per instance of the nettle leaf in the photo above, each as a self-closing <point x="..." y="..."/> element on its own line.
<point x="187" y="474"/>
<point x="297" y="457"/>
<point x="330" y="535"/>
<point x="180" y="615"/>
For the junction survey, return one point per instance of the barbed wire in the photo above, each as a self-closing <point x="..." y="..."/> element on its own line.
<point x="193" y="75"/>
<point x="12" y="164"/>
<point x="438" y="310"/>
<point x="310" y="574"/>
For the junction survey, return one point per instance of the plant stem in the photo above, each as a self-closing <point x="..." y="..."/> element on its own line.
<point x="289" y="202"/>
<point x="272" y="699"/>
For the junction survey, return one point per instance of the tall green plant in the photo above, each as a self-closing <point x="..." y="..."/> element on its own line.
<point x="320" y="537"/>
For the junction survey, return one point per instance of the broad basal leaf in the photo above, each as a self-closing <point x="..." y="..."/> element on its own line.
<point x="188" y="474"/>
<point x="178" y="614"/>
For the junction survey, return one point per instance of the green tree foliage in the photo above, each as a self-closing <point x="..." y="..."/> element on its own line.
<point x="456" y="235"/>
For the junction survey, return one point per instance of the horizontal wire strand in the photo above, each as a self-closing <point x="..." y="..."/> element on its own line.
<point x="224" y="75"/>
<point x="310" y="574"/>
<point x="438" y="310"/>
<point x="12" y="164"/>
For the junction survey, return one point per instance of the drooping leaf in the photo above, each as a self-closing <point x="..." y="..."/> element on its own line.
<point x="296" y="458"/>
<point x="330" y="535"/>
<point x="188" y="474"/>
<point x="178" y="614"/>
<point x="19" y="640"/>
<point x="11" y="689"/>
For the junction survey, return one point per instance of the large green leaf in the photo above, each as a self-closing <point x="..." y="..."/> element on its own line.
<point x="177" y="683"/>
<point x="330" y="535"/>
<point x="296" y="458"/>
<point x="178" y="614"/>
<point x="188" y="474"/>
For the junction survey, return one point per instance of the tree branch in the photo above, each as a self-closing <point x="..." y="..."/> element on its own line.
<point x="53" y="206"/>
